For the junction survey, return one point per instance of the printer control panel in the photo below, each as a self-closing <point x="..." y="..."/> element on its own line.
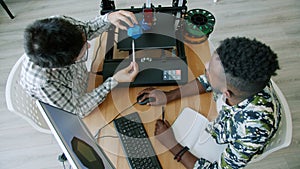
<point x="172" y="74"/>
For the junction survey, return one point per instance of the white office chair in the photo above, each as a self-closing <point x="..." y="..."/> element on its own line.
<point x="283" y="136"/>
<point x="19" y="102"/>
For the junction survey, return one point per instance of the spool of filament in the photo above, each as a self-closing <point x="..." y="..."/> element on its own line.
<point x="199" y="23"/>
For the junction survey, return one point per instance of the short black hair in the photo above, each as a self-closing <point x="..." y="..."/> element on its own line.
<point x="53" y="42"/>
<point x="248" y="64"/>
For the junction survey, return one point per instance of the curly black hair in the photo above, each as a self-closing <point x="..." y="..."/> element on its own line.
<point x="53" y="42"/>
<point x="248" y="64"/>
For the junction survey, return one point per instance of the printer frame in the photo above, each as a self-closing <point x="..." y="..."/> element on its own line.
<point x="154" y="71"/>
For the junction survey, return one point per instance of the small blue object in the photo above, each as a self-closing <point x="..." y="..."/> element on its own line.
<point x="135" y="31"/>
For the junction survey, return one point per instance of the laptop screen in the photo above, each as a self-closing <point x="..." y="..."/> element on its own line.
<point x="77" y="143"/>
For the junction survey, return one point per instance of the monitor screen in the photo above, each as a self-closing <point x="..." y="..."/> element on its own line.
<point x="77" y="143"/>
<point x="86" y="154"/>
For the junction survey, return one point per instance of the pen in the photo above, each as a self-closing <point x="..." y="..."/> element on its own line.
<point x="163" y="113"/>
<point x="133" y="51"/>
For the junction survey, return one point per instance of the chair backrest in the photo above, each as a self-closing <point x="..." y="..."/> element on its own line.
<point x="283" y="136"/>
<point x="21" y="103"/>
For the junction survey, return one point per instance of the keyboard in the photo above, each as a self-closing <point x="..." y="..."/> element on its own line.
<point x="135" y="142"/>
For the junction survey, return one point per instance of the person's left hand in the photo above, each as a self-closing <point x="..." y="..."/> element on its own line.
<point x="126" y="17"/>
<point x="164" y="134"/>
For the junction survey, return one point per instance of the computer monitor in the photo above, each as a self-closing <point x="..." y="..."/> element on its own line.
<point x="77" y="143"/>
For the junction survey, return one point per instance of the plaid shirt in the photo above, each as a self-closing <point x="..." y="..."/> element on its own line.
<point x="246" y="128"/>
<point x="66" y="87"/>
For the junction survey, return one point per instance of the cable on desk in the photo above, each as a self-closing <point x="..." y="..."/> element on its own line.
<point x="107" y="137"/>
<point x="98" y="132"/>
<point x="96" y="55"/>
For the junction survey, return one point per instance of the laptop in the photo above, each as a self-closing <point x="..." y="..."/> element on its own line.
<point x="77" y="143"/>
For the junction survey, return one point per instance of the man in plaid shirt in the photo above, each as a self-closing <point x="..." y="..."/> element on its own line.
<point x="54" y="70"/>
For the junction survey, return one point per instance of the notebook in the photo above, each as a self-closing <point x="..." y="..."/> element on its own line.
<point x="189" y="130"/>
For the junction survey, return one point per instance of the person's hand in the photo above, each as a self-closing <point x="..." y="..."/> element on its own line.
<point x="127" y="74"/>
<point x="164" y="134"/>
<point x="126" y="17"/>
<point x="160" y="96"/>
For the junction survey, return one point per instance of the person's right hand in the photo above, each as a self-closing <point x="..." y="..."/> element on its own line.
<point x="127" y="17"/>
<point x="164" y="134"/>
<point x="127" y="74"/>
<point x="160" y="96"/>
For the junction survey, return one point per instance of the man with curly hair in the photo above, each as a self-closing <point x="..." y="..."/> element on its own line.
<point x="54" y="69"/>
<point x="248" y="110"/>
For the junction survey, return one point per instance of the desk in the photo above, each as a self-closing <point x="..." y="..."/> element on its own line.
<point x="121" y="98"/>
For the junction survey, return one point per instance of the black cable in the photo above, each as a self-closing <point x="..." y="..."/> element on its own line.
<point x="98" y="48"/>
<point x="62" y="158"/>
<point x="97" y="133"/>
<point x="96" y="55"/>
<point x="108" y="136"/>
<point x="64" y="165"/>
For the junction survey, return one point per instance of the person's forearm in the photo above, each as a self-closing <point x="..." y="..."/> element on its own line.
<point x="92" y="99"/>
<point x="192" y="88"/>
<point x="96" y="26"/>
<point x="187" y="159"/>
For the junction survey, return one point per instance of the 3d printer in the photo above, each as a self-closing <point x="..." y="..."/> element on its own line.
<point x="159" y="49"/>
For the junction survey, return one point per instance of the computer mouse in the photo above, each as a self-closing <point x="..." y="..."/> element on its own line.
<point x="145" y="101"/>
